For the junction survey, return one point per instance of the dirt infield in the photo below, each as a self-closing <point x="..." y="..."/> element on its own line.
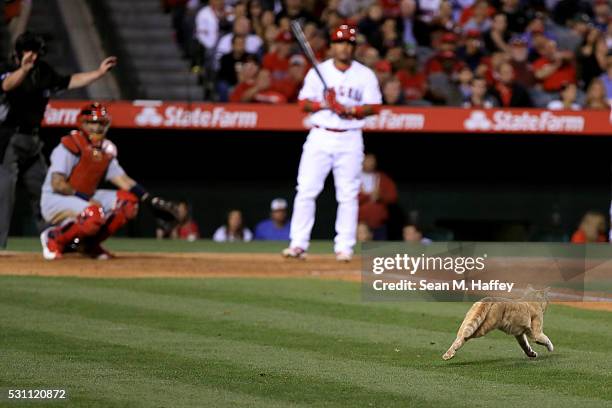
<point x="143" y="265"/>
<point x="193" y="265"/>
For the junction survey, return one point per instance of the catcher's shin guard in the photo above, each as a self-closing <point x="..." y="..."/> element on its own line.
<point x="126" y="209"/>
<point x="87" y="224"/>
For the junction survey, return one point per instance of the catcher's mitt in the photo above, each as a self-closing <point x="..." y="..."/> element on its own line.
<point x="165" y="212"/>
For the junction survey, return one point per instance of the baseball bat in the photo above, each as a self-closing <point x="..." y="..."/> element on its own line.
<point x="301" y="39"/>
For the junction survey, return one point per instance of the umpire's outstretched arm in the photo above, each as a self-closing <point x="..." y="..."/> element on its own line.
<point x="85" y="78"/>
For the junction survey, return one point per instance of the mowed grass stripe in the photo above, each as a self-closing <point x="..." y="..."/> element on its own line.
<point x="320" y="292"/>
<point x="300" y="323"/>
<point x="329" y="299"/>
<point x="101" y="383"/>
<point x="266" y="311"/>
<point x="136" y="376"/>
<point x="439" y="389"/>
<point x="504" y="339"/>
<point x="176" y="357"/>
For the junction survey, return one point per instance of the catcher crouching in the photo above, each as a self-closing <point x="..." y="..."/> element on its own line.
<point x="81" y="215"/>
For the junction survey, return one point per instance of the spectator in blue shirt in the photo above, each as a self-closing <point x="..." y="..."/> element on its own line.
<point x="276" y="228"/>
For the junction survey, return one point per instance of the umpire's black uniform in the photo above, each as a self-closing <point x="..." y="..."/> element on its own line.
<point x="20" y="144"/>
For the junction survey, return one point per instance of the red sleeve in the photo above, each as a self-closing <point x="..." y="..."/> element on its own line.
<point x="363" y="197"/>
<point x="238" y="91"/>
<point x="387" y="189"/>
<point x="578" y="237"/>
<point x="268" y="62"/>
<point x="539" y="63"/>
<point x="315" y="106"/>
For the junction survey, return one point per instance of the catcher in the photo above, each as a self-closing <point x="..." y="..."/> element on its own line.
<point x="81" y="215"/>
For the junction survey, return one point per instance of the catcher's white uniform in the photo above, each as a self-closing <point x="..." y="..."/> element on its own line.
<point x="334" y="143"/>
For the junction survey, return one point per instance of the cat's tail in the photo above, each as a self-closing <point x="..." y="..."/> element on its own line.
<point x="473" y="319"/>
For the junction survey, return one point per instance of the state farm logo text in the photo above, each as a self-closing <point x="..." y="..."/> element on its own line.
<point x="61" y="116"/>
<point x="524" y="122"/>
<point x="389" y="120"/>
<point x="176" y="116"/>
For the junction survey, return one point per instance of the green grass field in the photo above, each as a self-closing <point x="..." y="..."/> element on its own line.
<point x="279" y="343"/>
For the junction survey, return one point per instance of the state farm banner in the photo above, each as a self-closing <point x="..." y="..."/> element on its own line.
<point x="202" y="116"/>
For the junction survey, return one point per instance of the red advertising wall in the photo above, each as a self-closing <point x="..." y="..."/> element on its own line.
<point x="194" y="116"/>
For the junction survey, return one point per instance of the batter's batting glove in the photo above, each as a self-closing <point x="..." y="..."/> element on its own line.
<point x="333" y="104"/>
<point x="330" y="97"/>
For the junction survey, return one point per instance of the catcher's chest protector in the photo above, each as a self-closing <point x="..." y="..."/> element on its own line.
<point x="92" y="165"/>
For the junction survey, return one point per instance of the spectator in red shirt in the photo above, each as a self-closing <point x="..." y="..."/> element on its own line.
<point x="554" y="68"/>
<point x="414" y="81"/>
<point x="186" y="229"/>
<point x="592" y="229"/>
<point x="519" y="54"/>
<point x="377" y="192"/>
<point x="277" y="61"/>
<point x="510" y="93"/>
<point x="383" y="71"/>
<point x="290" y="86"/>
<point x="255" y="85"/>
<point x="445" y="62"/>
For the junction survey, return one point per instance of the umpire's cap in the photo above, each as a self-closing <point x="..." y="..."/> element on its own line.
<point x="28" y="41"/>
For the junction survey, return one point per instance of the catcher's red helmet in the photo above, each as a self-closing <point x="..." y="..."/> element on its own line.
<point x="344" y="32"/>
<point x="94" y="112"/>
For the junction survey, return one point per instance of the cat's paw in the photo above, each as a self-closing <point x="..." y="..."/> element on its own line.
<point x="532" y="354"/>
<point x="448" y="356"/>
<point x="550" y="346"/>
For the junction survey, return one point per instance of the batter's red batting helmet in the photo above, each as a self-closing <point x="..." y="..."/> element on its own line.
<point x="344" y="32"/>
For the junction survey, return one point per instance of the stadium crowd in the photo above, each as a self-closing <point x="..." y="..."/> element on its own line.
<point x="554" y="54"/>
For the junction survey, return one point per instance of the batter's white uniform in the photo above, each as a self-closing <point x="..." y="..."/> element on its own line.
<point x="334" y="144"/>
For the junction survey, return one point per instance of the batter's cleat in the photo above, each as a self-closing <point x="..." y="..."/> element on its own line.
<point x="51" y="249"/>
<point x="295" y="252"/>
<point x="344" y="256"/>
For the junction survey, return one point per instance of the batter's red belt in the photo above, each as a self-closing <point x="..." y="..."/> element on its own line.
<point x="335" y="130"/>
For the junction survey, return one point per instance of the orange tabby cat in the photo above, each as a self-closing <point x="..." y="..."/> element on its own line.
<point x="521" y="318"/>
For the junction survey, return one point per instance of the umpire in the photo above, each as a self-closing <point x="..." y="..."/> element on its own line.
<point x="25" y="90"/>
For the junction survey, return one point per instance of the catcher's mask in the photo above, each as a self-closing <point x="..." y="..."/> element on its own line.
<point x="29" y="41"/>
<point x="94" y="121"/>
